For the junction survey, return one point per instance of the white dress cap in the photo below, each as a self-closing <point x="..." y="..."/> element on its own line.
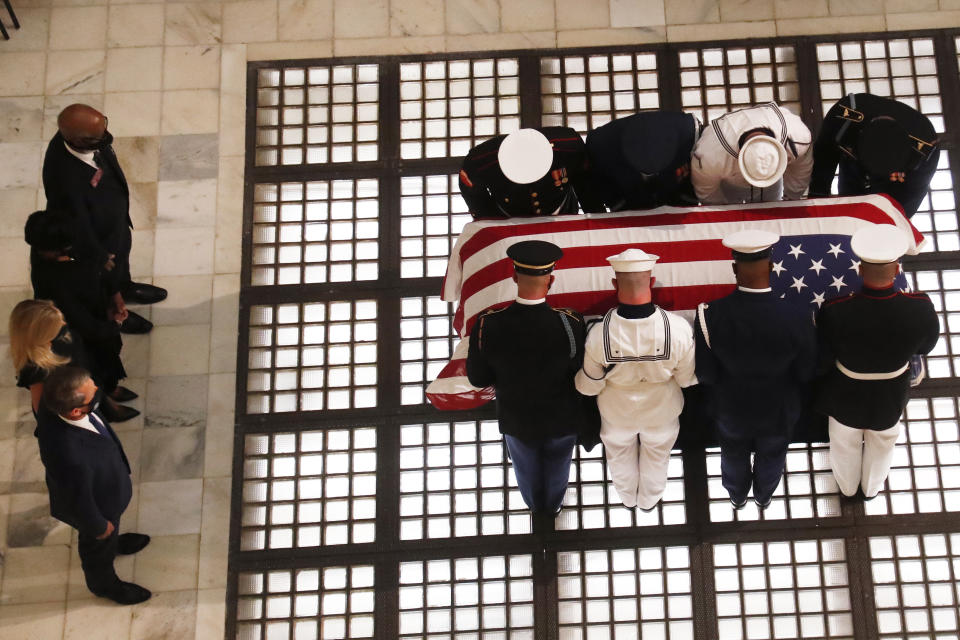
<point x="750" y="240"/>
<point x="633" y="260"/>
<point x="525" y="156"/>
<point x="879" y="243"/>
<point x="762" y="161"/>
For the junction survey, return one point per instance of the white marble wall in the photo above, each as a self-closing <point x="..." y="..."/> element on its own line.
<point x="171" y="76"/>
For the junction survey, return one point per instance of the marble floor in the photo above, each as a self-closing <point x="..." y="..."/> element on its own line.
<point x="171" y="78"/>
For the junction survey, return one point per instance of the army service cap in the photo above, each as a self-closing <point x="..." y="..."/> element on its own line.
<point x="749" y="245"/>
<point x="762" y="161"/>
<point x="879" y="243"/>
<point x="525" y="156"/>
<point x="633" y="260"/>
<point x="534" y="257"/>
<point x="884" y="147"/>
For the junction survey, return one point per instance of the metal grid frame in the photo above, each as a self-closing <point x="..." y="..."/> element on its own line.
<point x="379" y="560"/>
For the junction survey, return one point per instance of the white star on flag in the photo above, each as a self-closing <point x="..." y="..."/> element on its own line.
<point x="817" y="265"/>
<point x="778" y="267"/>
<point x="838" y="283"/>
<point x="795" y="251"/>
<point x="835" y="249"/>
<point x="798" y="284"/>
<point x="819" y="298"/>
<point x="855" y="266"/>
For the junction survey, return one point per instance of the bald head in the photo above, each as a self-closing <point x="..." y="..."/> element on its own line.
<point x="82" y="126"/>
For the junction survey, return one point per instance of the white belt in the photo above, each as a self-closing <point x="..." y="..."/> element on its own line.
<point x="890" y="375"/>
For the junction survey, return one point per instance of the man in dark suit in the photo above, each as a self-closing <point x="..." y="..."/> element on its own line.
<point x="88" y="479"/>
<point x="529" y="173"/>
<point x="754" y="353"/>
<point x="81" y="174"/>
<point x="643" y="161"/>
<point x="881" y="146"/>
<point x="531" y="352"/>
<point x="867" y="340"/>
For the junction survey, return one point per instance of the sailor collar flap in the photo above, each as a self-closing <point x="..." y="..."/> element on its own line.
<point x="661" y="335"/>
<point x="731" y="122"/>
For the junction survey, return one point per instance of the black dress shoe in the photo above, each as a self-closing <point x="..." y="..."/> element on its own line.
<point x="122" y="394"/>
<point x="136" y="323"/>
<point x="763" y="505"/>
<point x="143" y="293"/>
<point x="121" y="413"/>
<point x="126" y="593"/>
<point x="130" y="543"/>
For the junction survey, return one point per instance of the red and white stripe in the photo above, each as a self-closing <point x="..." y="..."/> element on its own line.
<point x="694" y="266"/>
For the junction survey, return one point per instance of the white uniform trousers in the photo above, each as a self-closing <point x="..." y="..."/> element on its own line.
<point x="637" y="458"/>
<point x="861" y="457"/>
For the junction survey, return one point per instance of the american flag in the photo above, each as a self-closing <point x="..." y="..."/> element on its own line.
<point x="812" y="261"/>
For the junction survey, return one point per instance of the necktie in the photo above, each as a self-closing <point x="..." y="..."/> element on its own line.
<point x="95" y="180"/>
<point x="101" y="428"/>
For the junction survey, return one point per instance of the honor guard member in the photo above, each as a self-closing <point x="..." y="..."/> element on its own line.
<point x="531" y="352"/>
<point x="528" y="173"/>
<point x="881" y="145"/>
<point x="757" y="154"/>
<point x="755" y="352"/>
<point x="868" y="338"/>
<point x="643" y="161"/>
<point x="636" y="361"/>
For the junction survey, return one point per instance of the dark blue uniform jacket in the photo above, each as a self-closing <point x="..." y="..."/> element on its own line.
<point x="762" y="351"/>
<point x="88" y="476"/>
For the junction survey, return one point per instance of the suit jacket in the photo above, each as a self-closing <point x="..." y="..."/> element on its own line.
<point x="489" y="194"/>
<point x="837" y="140"/>
<point x="617" y="146"/>
<point x="102" y="210"/>
<point x="762" y="351"/>
<point x="88" y="475"/>
<point x="874" y="331"/>
<point x="526" y="352"/>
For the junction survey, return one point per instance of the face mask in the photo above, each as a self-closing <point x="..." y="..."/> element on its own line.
<point x="105" y="141"/>
<point x="94" y="404"/>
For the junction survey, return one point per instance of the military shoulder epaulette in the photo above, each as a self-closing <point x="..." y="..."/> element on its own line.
<point x="573" y="313"/>
<point x="487" y="312"/>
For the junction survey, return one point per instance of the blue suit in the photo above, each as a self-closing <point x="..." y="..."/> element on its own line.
<point x="754" y="354"/>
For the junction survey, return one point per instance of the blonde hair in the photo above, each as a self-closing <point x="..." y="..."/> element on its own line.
<point x="33" y="326"/>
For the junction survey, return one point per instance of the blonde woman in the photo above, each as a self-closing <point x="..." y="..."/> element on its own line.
<point x="41" y="341"/>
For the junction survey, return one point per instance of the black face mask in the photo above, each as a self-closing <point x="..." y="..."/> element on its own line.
<point x="94" y="404"/>
<point x="100" y="145"/>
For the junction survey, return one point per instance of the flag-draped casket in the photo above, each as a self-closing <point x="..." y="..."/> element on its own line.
<point x="812" y="262"/>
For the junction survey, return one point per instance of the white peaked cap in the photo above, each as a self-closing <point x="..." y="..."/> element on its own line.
<point x="879" y="243"/>
<point x="525" y="156"/>
<point x="750" y="240"/>
<point x="762" y="161"/>
<point x="633" y="260"/>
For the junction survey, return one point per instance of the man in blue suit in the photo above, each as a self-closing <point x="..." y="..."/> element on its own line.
<point x="754" y="352"/>
<point x="88" y="479"/>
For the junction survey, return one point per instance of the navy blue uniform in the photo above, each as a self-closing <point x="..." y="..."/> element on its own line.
<point x="531" y="354"/>
<point x="88" y="479"/>
<point x="838" y="143"/>
<point x="754" y="358"/>
<point x="873" y="331"/>
<point x="643" y="161"/>
<point x="564" y="190"/>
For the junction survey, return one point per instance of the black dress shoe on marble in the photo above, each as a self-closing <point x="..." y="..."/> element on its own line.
<point x="121" y="413"/>
<point x="130" y="543"/>
<point x="136" y="323"/>
<point x="143" y="293"/>
<point x="122" y="394"/>
<point x="126" y="593"/>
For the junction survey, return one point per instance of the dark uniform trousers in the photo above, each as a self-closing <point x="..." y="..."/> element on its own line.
<point x="96" y="560"/>
<point x="531" y="353"/>
<point x="754" y="359"/>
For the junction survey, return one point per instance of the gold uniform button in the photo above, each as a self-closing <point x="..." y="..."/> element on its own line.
<point x="564" y="180"/>
<point x="506" y="199"/>
<point x="538" y="211"/>
<point x="533" y="195"/>
<point x="536" y="204"/>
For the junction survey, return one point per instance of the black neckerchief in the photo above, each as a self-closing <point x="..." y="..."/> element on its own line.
<point x="636" y="311"/>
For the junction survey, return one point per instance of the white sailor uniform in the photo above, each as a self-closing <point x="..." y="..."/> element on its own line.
<point x="714" y="169"/>
<point x="637" y="368"/>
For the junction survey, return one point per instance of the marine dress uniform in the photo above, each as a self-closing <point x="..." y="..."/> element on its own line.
<point x="729" y="166"/>
<point x="881" y="146"/>
<point x="528" y="173"/>
<point x="531" y="352"/>
<point x="643" y="161"/>
<point x="754" y="354"/>
<point x="870" y="337"/>
<point x="636" y="362"/>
